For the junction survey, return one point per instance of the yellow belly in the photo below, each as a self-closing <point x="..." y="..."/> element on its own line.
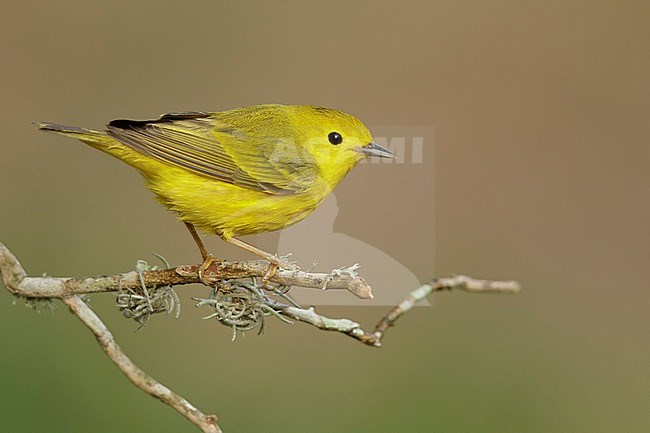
<point x="228" y="210"/>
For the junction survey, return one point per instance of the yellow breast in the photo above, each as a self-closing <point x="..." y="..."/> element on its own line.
<point x="229" y="210"/>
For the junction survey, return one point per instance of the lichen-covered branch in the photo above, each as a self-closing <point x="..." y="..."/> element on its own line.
<point x="51" y="287"/>
<point x="67" y="289"/>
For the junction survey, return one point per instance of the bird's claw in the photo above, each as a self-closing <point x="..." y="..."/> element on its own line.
<point x="275" y="264"/>
<point x="270" y="273"/>
<point x="208" y="261"/>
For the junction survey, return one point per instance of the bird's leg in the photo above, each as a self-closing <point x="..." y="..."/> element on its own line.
<point x="260" y="253"/>
<point x="274" y="261"/>
<point x="208" y="259"/>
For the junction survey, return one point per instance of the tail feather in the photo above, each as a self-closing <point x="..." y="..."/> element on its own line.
<point x="97" y="139"/>
<point x="47" y="126"/>
<point x="90" y="136"/>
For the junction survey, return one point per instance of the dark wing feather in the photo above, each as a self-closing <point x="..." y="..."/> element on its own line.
<point x="199" y="142"/>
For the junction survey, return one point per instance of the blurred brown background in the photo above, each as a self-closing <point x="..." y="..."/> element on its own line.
<point x="540" y="111"/>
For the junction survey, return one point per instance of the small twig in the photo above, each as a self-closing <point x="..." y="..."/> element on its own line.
<point x="458" y="282"/>
<point x="207" y="423"/>
<point x="354" y="330"/>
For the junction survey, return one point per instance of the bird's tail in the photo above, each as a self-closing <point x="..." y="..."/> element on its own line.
<point x="101" y="141"/>
<point x="87" y="135"/>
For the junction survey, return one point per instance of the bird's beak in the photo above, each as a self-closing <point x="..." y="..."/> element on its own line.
<point x="372" y="149"/>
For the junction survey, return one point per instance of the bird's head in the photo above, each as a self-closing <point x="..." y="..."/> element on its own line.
<point x="337" y="141"/>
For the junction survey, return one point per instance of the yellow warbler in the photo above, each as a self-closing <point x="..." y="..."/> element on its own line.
<point x="238" y="172"/>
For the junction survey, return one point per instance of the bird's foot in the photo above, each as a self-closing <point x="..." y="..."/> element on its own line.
<point x="275" y="263"/>
<point x="270" y="273"/>
<point x="208" y="260"/>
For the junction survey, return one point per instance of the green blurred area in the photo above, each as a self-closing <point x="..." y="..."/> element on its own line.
<point x="541" y="155"/>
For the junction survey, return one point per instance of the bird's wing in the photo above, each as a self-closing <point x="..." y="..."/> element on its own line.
<point x="198" y="142"/>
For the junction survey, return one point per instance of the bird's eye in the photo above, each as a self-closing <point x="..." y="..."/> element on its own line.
<point x="334" y="138"/>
